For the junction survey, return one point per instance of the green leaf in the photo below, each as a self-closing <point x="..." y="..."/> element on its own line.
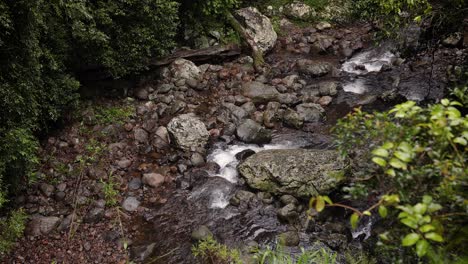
<point x="427" y="199"/>
<point x="388" y="145"/>
<point x="445" y="102"/>
<point x="319" y="204"/>
<point x="367" y="213"/>
<point x="427" y="228"/>
<point x="460" y="141"/>
<point x="383" y="211"/>
<point x="434" y="207"/>
<point x="354" y="220"/>
<point x="410" y="239"/>
<point x="379" y="161"/>
<point x="391" y="172"/>
<point x="420" y="208"/>
<point x="380" y="152"/>
<point x="327" y="199"/>
<point x="434" y="236"/>
<point x="404" y="156"/>
<point x="410" y="222"/>
<point x="397" y="164"/>
<point x="421" y="248"/>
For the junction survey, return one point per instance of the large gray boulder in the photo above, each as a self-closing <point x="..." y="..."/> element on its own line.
<point x="188" y="132"/>
<point x="260" y="92"/>
<point x="310" y="112"/>
<point x="258" y="27"/>
<point x="299" y="172"/>
<point x="299" y="10"/>
<point x="251" y="132"/>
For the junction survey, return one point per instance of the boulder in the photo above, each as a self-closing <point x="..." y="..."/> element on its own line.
<point x="298" y="10"/>
<point x="251" y="132"/>
<point x="260" y="92"/>
<point x="184" y="69"/>
<point x="42" y="225"/>
<point x="310" y="112"/>
<point x="292" y="119"/>
<point x="258" y="27"/>
<point x="299" y="172"/>
<point x="130" y="204"/>
<point x="188" y="132"/>
<point x="313" y="68"/>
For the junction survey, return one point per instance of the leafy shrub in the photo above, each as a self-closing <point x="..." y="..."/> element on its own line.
<point x="11" y="229"/>
<point x="211" y="252"/>
<point x="414" y="160"/>
<point x="278" y="255"/>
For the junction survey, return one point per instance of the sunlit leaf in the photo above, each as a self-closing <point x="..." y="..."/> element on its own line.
<point x="397" y="164"/>
<point x="420" y="208"/>
<point x="354" y="220"/>
<point x="320" y="204"/>
<point x="380" y="152"/>
<point x="421" y="248"/>
<point x="434" y="236"/>
<point x="427" y="228"/>
<point x="383" y="211"/>
<point x="427" y="199"/>
<point x="410" y="239"/>
<point x="379" y="161"/>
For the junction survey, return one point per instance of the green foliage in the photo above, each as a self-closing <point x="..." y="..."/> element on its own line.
<point x="415" y="158"/>
<point x="11" y="229"/>
<point x="113" y="114"/>
<point x="110" y="192"/>
<point x="360" y="257"/>
<point x="280" y="256"/>
<point x="211" y="252"/>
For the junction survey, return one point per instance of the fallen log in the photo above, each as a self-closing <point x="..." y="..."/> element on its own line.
<point x="199" y="55"/>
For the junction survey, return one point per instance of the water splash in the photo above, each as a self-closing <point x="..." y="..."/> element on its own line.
<point x="369" y="61"/>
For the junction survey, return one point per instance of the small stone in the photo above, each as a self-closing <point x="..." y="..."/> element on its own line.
<point x="289" y="239"/>
<point x="46" y="189"/>
<point x="141" y="93"/>
<point x="288" y="213"/>
<point x="94" y="215"/>
<point x="153" y="179"/>
<point x="134" y="184"/>
<point x="130" y="204"/>
<point x="141" y="136"/>
<point x="325" y="100"/>
<point x="323" y="25"/>
<point x="197" y="159"/>
<point x="288" y="199"/>
<point x="124" y="163"/>
<point x="42" y="225"/>
<point x="202" y="232"/>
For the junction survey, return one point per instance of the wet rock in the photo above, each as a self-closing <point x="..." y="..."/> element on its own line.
<point x="65" y="224"/>
<point x="130" y="204"/>
<point x="46" y="189"/>
<point x="94" y="215"/>
<point x="251" y="132"/>
<point x="197" y="159"/>
<point x="325" y="100"/>
<point x="259" y="92"/>
<point x="288" y="213"/>
<point x="335" y="241"/>
<point x="310" y="112"/>
<point x="298" y="10"/>
<point x="288" y="99"/>
<point x="184" y="69"/>
<point x="141" y="136"/>
<point x="265" y="197"/>
<point x="289" y="239"/>
<point x="236" y="112"/>
<point x="258" y="27"/>
<point x="299" y="172"/>
<point x="292" y="119"/>
<point x="42" y="225"/>
<point x="188" y="132"/>
<point x="313" y="68"/>
<point x="141" y="253"/>
<point x="453" y="40"/>
<point x="328" y="88"/>
<point x="290" y="80"/>
<point x="241" y="156"/>
<point x="153" y="179"/>
<point x="241" y="197"/>
<point x="288" y="199"/>
<point x="271" y="114"/>
<point x="202" y="232"/>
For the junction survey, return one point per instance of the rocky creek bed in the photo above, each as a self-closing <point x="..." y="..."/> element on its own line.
<point x="221" y="150"/>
